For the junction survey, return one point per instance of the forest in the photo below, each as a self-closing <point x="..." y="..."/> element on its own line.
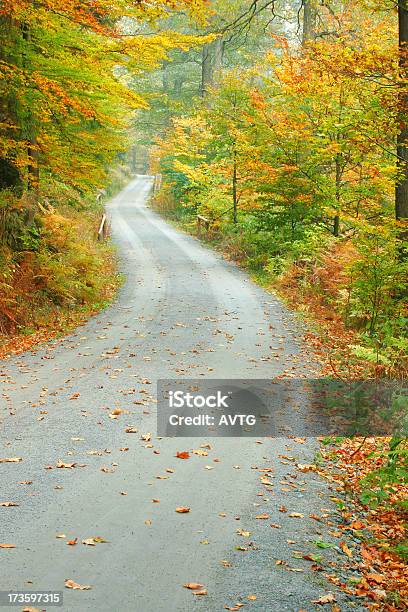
<point x="274" y="131"/>
<point x="295" y="155"/>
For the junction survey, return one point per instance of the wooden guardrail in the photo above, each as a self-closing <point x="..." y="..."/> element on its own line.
<point x="202" y="222"/>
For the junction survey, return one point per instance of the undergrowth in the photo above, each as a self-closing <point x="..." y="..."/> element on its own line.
<point x="53" y="271"/>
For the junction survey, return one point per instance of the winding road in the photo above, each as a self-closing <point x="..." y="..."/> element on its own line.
<point x="183" y="312"/>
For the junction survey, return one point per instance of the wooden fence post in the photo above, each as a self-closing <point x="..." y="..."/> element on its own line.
<point x="200" y="222"/>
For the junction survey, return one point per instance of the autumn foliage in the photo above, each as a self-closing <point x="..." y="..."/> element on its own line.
<point x="293" y="161"/>
<point x="68" y="89"/>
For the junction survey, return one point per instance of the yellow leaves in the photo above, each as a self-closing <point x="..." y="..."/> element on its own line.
<point x="346" y="549"/>
<point x="263" y="517"/>
<point x="70" y="584"/>
<point x="11" y="460"/>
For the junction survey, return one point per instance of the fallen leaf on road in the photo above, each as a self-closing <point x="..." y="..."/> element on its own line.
<point x="94" y="541"/>
<point x="146" y="437"/>
<point x="182" y="455"/>
<point x="7" y="545"/>
<point x="305" y="467"/>
<point x="61" y="464"/>
<point x="357" y="525"/>
<point x="262" y="516"/>
<point x="200" y="452"/>
<point x="8" y="504"/>
<point x="296" y="515"/>
<point x="251" y="597"/>
<point x="25" y="482"/>
<point x="324" y="599"/>
<point x="378" y="578"/>
<point x="11" y="460"/>
<point x="31" y="610"/>
<point x="70" y="584"/>
<point x="202" y="592"/>
<point x="156" y="501"/>
<point x="243" y="533"/>
<point x="193" y="586"/>
<point x="182" y="509"/>
<point x="61" y="535"/>
<point x="345" y="549"/>
<point x="117" y="412"/>
<point x="72" y="542"/>
<point x="131" y="430"/>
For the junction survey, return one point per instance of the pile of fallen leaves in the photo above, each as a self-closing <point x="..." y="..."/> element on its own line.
<point x="379" y="528"/>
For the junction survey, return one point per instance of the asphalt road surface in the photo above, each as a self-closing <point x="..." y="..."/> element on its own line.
<point x="182" y="312"/>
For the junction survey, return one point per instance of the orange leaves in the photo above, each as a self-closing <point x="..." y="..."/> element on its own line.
<point x="346" y="549"/>
<point x="196" y="587"/>
<point x="182" y="455"/>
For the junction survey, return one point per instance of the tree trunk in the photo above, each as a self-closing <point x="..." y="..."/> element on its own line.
<point x="234" y="188"/>
<point x="206" y="69"/>
<point x="218" y="49"/>
<point x="401" y="195"/>
<point x="309" y="21"/>
<point x="211" y="64"/>
<point x="9" y="106"/>
<point x="178" y="85"/>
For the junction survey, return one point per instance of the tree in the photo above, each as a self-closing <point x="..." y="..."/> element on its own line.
<point x="65" y="70"/>
<point x="401" y="199"/>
